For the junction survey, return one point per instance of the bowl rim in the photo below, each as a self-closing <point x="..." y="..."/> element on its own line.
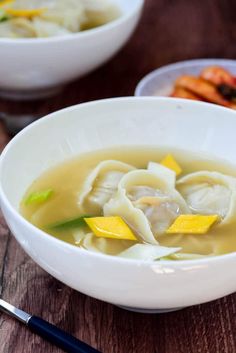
<point x="100" y="256"/>
<point x="178" y="65"/>
<point x="74" y="36"/>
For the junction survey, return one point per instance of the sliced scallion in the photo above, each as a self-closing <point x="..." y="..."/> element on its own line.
<point x="38" y="197"/>
<point x="3" y="16"/>
<point x="69" y="224"/>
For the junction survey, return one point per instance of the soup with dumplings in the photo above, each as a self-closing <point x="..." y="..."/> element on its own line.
<point x="139" y="203"/>
<point x="50" y="18"/>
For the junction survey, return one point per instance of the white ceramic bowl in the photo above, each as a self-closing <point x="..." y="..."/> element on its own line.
<point x="160" y="82"/>
<point x="200" y="127"/>
<point x="34" y="68"/>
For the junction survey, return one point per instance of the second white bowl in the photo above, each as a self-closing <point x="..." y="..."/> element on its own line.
<point x="35" y="68"/>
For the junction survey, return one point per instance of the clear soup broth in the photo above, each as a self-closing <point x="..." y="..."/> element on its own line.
<point x="206" y="195"/>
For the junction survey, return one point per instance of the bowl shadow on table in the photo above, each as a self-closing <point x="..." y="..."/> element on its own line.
<point x="195" y="329"/>
<point x="116" y="330"/>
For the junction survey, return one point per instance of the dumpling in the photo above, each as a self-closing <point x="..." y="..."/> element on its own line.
<point x="69" y="14"/>
<point x="45" y="29"/>
<point x="121" y="248"/>
<point x="96" y="5"/>
<point x="147" y="252"/>
<point x="100" y="12"/>
<point x="210" y="193"/>
<point x="17" y="28"/>
<point x="101" y="184"/>
<point x="102" y="245"/>
<point x="148" y="202"/>
<point x="163" y="172"/>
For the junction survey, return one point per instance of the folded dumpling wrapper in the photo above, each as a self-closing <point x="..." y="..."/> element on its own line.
<point x="69" y="14"/>
<point x="209" y="193"/>
<point x="148" y="202"/>
<point x="147" y="252"/>
<point x="44" y="28"/>
<point x="101" y="184"/>
<point x="103" y="245"/>
<point x="123" y="248"/>
<point x="163" y="172"/>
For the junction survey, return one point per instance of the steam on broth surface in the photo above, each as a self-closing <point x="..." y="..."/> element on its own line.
<point x="116" y="202"/>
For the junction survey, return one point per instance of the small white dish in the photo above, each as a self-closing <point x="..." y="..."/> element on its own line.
<point x="160" y="82"/>
<point x="137" y="285"/>
<point x="39" y="67"/>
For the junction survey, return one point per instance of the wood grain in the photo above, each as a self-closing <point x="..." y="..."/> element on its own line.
<point x="170" y="30"/>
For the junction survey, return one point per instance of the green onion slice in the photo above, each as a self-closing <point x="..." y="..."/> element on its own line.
<point x="38" y="197"/>
<point x="69" y="224"/>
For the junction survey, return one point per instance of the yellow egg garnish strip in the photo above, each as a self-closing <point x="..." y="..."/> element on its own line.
<point x="192" y="224"/>
<point x="170" y="162"/>
<point x="18" y="12"/>
<point x="6" y="2"/>
<point x="25" y="12"/>
<point x="110" y="227"/>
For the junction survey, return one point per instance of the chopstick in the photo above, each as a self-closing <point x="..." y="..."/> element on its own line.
<point x="47" y="331"/>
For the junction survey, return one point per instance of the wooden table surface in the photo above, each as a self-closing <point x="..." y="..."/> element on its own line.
<point x="169" y="31"/>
